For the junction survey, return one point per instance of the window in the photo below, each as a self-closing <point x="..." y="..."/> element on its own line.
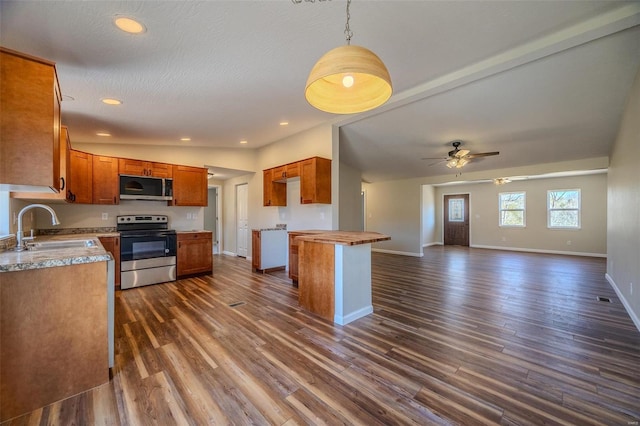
<point x="456" y="210"/>
<point x="512" y="208"/>
<point x="563" y="208"/>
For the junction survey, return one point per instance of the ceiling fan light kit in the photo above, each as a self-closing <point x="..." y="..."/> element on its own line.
<point x="348" y="79"/>
<point x="458" y="158"/>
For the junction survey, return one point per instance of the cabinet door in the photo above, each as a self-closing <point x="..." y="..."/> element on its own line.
<point x="189" y="186"/>
<point x="273" y="193"/>
<point x="293" y="258"/>
<point x="80" y="178"/>
<point x="194" y="253"/>
<point x="292" y="170"/>
<point x="315" y="181"/>
<point x="266" y="187"/>
<point x="128" y="166"/>
<point x="65" y="146"/>
<point x="162" y="170"/>
<point x="112" y="245"/>
<point x="256" y="249"/>
<point x="105" y="180"/>
<point x="30" y="121"/>
<point x="278" y="174"/>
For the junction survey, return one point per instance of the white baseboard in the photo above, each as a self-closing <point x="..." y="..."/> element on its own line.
<point x="403" y="253"/>
<point x="431" y="244"/>
<point x="626" y="304"/>
<point x="569" y="253"/>
<point x="344" y="320"/>
<point x="229" y="253"/>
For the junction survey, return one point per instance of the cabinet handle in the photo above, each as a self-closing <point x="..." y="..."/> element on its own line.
<point x="114" y="200"/>
<point x="62" y="181"/>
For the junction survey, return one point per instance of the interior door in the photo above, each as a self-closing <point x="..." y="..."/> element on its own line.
<point x="242" y="220"/>
<point x="456" y="220"/>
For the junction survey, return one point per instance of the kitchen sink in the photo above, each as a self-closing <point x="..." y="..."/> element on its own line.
<point x="61" y="244"/>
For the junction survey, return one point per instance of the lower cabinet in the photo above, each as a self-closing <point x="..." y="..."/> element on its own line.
<point x="112" y="245"/>
<point x="195" y="253"/>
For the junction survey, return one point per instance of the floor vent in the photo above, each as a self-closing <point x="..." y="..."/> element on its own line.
<point x="233" y="305"/>
<point x="603" y="299"/>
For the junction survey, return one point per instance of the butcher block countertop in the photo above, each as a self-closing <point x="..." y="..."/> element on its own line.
<point x="345" y="238"/>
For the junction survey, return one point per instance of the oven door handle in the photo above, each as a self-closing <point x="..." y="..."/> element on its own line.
<point x="158" y="234"/>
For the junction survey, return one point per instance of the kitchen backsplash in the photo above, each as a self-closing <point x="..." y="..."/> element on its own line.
<point x="103" y="216"/>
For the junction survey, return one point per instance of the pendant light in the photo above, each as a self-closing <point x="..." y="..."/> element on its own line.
<point x="348" y="79"/>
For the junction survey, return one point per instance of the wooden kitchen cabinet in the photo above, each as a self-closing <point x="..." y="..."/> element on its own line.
<point x="112" y="245"/>
<point x="80" y="177"/>
<point x="105" y="188"/>
<point x="274" y="193"/>
<point x="65" y="146"/>
<point x="190" y="186"/>
<point x="128" y="166"/>
<point x="256" y="251"/>
<point x="195" y="253"/>
<point x="29" y="123"/>
<point x="315" y="181"/>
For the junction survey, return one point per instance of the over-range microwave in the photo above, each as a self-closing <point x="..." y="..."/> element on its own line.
<point x="145" y="188"/>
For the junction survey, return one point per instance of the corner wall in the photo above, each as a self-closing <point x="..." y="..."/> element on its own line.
<point x="623" y="224"/>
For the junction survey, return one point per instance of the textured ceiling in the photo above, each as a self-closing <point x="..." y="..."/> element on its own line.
<point x="537" y="81"/>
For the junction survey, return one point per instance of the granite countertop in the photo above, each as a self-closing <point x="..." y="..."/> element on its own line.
<point x="11" y="261"/>
<point x="269" y="229"/>
<point x="346" y="238"/>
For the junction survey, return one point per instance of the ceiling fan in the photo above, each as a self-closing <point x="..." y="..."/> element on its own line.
<point x="457" y="157"/>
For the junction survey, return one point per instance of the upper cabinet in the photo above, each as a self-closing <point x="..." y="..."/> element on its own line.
<point x="189" y="186"/>
<point x="105" y="187"/>
<point x="80" y="177"/>
<point x="65" y="146"/>
<point x="29" y="123"/>
<point x="274" y="193"/>
<point x="145" y="168"/>
<point x="315" y="182"/>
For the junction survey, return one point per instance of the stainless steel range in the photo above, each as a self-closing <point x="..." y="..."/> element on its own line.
<point x="147" y="250"/>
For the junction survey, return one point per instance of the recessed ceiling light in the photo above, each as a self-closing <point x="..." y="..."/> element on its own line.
<point x="185" y="139"/>
<point x="129" y="25"/>
<point x="103" y="133"/>
<point x="284" y="123"/>
<point x="243" y="142"/>
<point x="111" y="101"/>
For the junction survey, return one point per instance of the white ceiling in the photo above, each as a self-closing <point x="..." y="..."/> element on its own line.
<point x="538" y="81"/>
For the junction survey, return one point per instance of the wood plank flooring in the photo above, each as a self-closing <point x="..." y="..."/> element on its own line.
<point x="460" y="336"/>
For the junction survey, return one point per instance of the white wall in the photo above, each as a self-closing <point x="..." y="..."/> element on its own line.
<point x="350" y="199"/>
<point x="428" y="226"/>
<point x="590" y="239"/>
<point x="623" y="224"/>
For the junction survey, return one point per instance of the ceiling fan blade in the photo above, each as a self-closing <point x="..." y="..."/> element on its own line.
<point x="482" y="154"/>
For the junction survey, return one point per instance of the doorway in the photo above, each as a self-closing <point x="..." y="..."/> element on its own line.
<point x="456" y="220"/>
<point x="212" y="218"/>
<point x="242" y="219"/>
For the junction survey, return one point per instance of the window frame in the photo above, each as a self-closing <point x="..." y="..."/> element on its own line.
<point x="523" y="209"/>
<point x="578" y="209"/>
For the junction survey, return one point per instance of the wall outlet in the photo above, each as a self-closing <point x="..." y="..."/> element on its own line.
<point x="194" y="216"/>
<point x="188" y="216"/>
<point x="568" y="242"/>
<point x="105" y="216"/>
<point x="630" y="289"/>
<point x="504" y="238"/>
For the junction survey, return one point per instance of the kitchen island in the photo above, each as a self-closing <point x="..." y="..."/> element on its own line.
<point x="54" y="317"/>
<point x="334" y="273"/>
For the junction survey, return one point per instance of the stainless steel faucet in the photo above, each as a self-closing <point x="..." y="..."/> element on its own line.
<point x="20" y="235"/>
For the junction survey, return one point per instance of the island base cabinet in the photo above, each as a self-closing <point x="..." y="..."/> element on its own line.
<point x="53" y="335"/>
<point x="334" y="280"/>
<point x="316" y="273"/>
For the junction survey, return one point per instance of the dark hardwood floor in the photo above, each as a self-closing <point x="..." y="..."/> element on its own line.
<point x="460" y="336"/>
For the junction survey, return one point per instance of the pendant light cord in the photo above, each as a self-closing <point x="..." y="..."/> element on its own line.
<point x="347" y="30"/>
